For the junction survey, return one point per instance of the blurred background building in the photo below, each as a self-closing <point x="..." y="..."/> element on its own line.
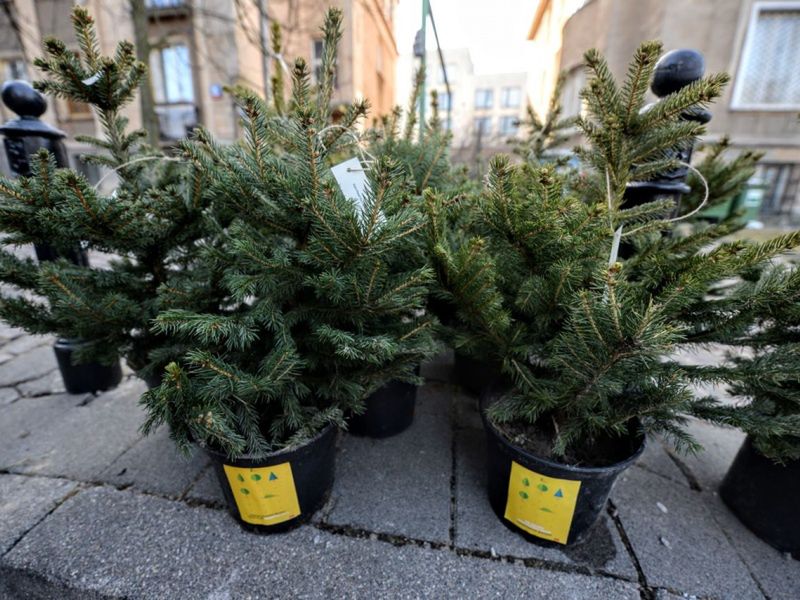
<point x="498" y="58"/>
<point x="484" y="109"/>
<point x="197" y="47"/>
<point x="757" y="42"/>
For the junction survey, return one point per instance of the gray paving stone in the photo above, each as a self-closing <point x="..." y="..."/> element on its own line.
<point x="439" y="368"/>
<point x="398" y="485"/>
<point x="434" y="399"/>
<point x="777" y="573"/>
<point x="24" y="501"/>
<point x="466" y="410"/>
<point x="57" y="435"/>
<point x="28" y="415"/>
<point x="8" y="333"/>
<point x="5" y="357"/>
<point x="138" y="546"/>
<point x="51" y="383"/>
<point x="720" y="445"/>
<point x="30" y="365"/>
<point x="154" y="465"/>
<point x="27" y="342"/>
<point x="681" y="549"/>
<point x="478" y="528"/>
<point x="206" y="490"/>
<point x="8" y="395"/>
<point x="656" y="460"/>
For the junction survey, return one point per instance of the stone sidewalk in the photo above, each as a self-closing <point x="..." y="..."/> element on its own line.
<point x="90" y="509"/>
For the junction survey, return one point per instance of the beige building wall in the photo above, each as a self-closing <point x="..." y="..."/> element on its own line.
<point x="223" y="48"/>
<point x="716" y="28"/>
<point x="546" y="33"/>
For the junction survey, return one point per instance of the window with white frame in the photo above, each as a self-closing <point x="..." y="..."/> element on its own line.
<point x="509" y="125"/>
<point x="171" y="74"/>
<point x="484" y="98"/>
<point x="317" y="57"/>
<point x="510" y="97"/>
<point x="768" y="76"/>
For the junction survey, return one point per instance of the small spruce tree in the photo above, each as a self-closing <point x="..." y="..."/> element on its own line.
<point x="150" y="223"/>
<point x="316" y="312"/>
<point x="545" y="134"/>
<point x="585" y="339"/>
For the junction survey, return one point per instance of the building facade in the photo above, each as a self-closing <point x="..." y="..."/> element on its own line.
<point x="198" y="47"/>
<point x="484" y="109"/>
<point x="756" y="41"/>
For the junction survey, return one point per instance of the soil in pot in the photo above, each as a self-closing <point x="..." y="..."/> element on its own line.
<point x="281" y="490"/>
<point x="389" y="411"/>
<point x="546" y="501"/>
<point x="84" y="378"/>
<point x="763" y="495"/>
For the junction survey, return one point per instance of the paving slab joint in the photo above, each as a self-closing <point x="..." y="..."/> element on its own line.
<point x="693" y="482"/>
<point x="78" y="488"/>
<point x="453" y="470"/>
<point x="745" y="562"/>
<point x="400" y="541"/>
<point x="193" y="482"/>
<point x="645" y="591"/>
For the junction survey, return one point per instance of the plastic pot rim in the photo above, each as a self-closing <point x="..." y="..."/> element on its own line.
<point x="579" y="471"/>
<point x="225" y="459"/>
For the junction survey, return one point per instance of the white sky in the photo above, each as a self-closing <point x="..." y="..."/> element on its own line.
<point x="495" y="31"/>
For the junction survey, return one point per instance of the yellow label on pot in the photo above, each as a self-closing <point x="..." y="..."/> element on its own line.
<point x="264" y="496"/>
<point x="543" y="506"/>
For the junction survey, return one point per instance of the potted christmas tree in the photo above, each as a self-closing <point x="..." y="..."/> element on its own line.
<point x="316" y="312"/>
<point x="584" y="339"/>
<point x="423" y="159"/>
<point x="763" y="482"/>
<point x="150" y="223"/>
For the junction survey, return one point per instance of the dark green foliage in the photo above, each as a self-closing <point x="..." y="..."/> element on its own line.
<point x="768" y="379"/>
<point x="150" y="223"/>
<point x="587" y="341"/>
<point x="425" y="159"/>
<point x="319" y="307"/>
<point x="544" y="135"/>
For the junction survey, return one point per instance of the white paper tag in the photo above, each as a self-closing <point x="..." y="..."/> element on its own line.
<point x="615" y="246"/>
<point x="352" y="180"/>
<point x="92" y="80"/>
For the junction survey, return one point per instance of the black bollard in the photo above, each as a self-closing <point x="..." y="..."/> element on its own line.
<point x="673" y="71"/>
<point x="23" y="137"/>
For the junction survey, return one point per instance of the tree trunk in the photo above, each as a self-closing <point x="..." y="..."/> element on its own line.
<point x="146" y="102"/>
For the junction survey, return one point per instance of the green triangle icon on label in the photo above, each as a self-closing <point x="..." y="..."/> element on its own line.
<point x="272" y="476"/>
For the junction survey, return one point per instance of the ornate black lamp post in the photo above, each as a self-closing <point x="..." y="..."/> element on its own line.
<point x="23" y="137"/>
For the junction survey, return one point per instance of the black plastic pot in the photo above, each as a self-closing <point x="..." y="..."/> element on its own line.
<point x="475" y="375"/>
<point x="283" y="489"/>
<point x="77" y="256"/>
<point x="389" y="411"/>
<point x="83" y="378"/>
<point x="546" y="502"/>
<point x="764" y="496"/>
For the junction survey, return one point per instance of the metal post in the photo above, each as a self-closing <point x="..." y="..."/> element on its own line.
<point x="263" y="29"/>
<point x="423" y="63"/>
<point x="444" y="69"/>
<point x="26" y="135"/>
